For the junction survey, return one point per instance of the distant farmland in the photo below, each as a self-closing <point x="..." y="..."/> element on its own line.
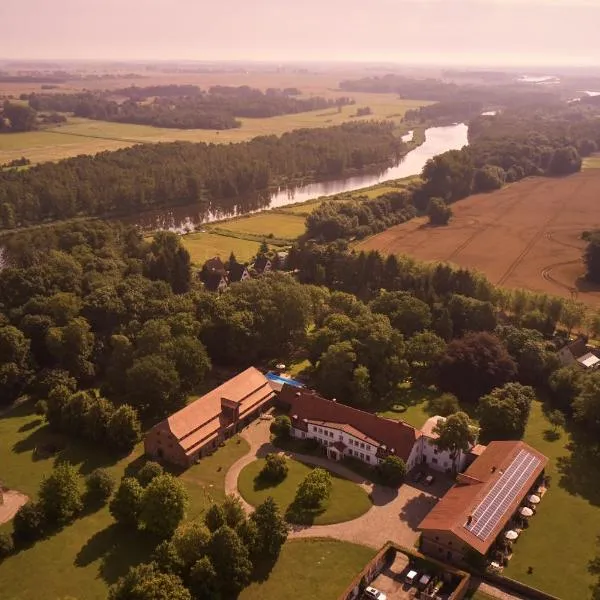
<point x="84" y="136"/>
<point x="526" y="235"/>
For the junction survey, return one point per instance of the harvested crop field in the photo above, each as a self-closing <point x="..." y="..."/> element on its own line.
<point x="526" y="235"/>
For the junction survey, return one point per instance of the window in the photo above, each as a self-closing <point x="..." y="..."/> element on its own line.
<point x="367" y="458"/>
<point x="303" y="434"/>
<point x="368" y="447"/>
<point x="362" y="445"/>
<point x="341" y="437"/>
<point x="362" y="456"/>
<point x="435" y="450"/>
<point x="314" y="428"/>
<point x="437" y="537"/>
<point x="449" y="543"/>
<point x="434" y="461"/>
<point x="320" y="430"/>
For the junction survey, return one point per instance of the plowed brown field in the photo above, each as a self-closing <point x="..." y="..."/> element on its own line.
<point x="526" y="235"/>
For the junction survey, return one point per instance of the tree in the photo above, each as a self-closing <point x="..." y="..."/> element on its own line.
<point x="214" y="517"/>
<point x="488" y="178"/>
<point x="281" y="426"/>
<point x="448" y="176"/>
<point x="21" y="117"/>
<point x="503" y="413"/>
<point x="275" y="468"/>
<point x="231" y="561"/>
<point x="592" y="256"/>
<point x="167" y="558"/>
<point x="271" y="527"/>
<point x="99" y="486"/>
<point x="564" y="161"/>
<point x="564" y="386"/>
<point x="472" y="366"/>
<point x="7" y="545"/>
<point x="556" y="418"/>
<point x="405" y="312"/>
<point x="586" y="406"/>
<point x="594" y="569"/>
<point x="234" y="511"/>
<point x="203" y="580"/>
<point x="97" y="420"/>
<point x="444" y="405"/>
<point x="456" y="434"/>
<point x="439" y="212"/>
<point x="423" y="353"/>
<point x="191" y="541"/>
<point x="572" y="314"/>
<point x="148" y="472"/>
<point x="146" y="582"/>
<point x="169" y="261"/>
<point x="191" y="362"/>
<point x="60" y="496"/>
<point x="126" y="504"/>
<point x="163" y="505"/>
<point x="393" y="470"/>
<point x="124" y="429"/>
<point x="314" y="489"/>
<point x="29" y="523"/>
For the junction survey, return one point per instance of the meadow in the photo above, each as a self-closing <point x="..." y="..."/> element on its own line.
<point x="84" y="136"/>
<point x="203" y="246"/>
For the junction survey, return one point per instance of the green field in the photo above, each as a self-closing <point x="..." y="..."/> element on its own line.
<point x="203" y="246"/>
<point x="308" y="569"/>
<point x="415" y="400"/>
<point x="92" y="552"/>
<point x="274" y="224"/>
<point x="347" y="501"/>
<point x="83" y="136"/>
<point x="591" y="162"/>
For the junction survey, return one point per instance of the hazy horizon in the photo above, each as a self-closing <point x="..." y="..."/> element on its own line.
<point x="461" y="32"/>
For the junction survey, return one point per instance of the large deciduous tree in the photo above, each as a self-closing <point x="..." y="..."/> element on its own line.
<point x="60" y="494"/>
<point x="472" y="366"/>
<point x="586" y="406"/>
<point x="163" y="505"/>
<point x="314" y="489"/>
<point x="456" y="434"/>
<point x="126" y="504"/>
<point x="147" y="582"/>
<point x="231" y="561"/>
<point x="272" y="530"/>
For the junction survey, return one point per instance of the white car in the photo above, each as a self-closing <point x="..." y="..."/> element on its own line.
<point x="374" y="594"/>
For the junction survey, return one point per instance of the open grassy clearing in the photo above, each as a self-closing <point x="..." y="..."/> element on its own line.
<point x="85" y="136"/>
<point x="274" y="224"/>
<point x="346" y="502"/>
<point x="203" y="246"/>
<point x="415" y="399"/>
<point x="92" y="552"/>
<point x="592" y="162"/>
<point x="312" y="568"/>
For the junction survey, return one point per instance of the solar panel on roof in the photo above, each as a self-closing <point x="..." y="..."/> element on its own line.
<point x="496" y="502"/>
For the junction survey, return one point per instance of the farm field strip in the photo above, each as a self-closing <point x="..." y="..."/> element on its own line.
<point x="526" y="235"/>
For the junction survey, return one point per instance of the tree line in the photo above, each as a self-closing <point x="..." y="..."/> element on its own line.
<point x="157" y="175"/>
<point x="181" y="106"/>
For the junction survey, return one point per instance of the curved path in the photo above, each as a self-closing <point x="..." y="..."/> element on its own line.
<point x="395" y="514"/>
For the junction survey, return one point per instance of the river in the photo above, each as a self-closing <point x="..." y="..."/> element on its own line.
<point x="188" y="218"/>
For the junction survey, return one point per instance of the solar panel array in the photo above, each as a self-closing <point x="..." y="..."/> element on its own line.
<point x="496" y="502"/>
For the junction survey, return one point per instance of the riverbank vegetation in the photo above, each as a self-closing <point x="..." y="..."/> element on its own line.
<point x="218" y="177"/>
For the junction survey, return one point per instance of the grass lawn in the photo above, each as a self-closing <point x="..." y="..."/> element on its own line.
<point x="304" y="208"/>
<point x="92" y="552"/>
<point x="313" y="568"/>
<point x="280" y="225"/>
<point x="84" y="136"/>
<point x="562" y="536"/>
<point x="592" y="162"/>
<point x="203" y="246"/>
<point x="347" y="501"/>
<point x="415" y="399"/>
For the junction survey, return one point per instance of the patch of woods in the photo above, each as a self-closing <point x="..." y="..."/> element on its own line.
<point x="505" y="149"/>
<point x="215" y="557"/>
<point x="180" y="106"/>
<point x="217" y="177"/>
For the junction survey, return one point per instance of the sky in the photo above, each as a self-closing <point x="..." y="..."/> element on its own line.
<point x="485" y="32"/>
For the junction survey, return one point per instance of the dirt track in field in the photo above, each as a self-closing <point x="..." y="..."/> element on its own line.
<point x="526" y="235"/>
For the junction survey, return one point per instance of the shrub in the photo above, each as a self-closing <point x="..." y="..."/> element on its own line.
<point x="439" y="212"/>
<point x="41" y="408"/>
<point x="392" y="470"/>
<point x="60" y="496"/>
<point x="275" y="469"/>
<point x="281" y="426"/>
<point x="444" y="405"/>
<point x="148" y="472"/>
<point x="29" y="523"/>
<point x="99" y="486"/>
<point x="6" y="545"/>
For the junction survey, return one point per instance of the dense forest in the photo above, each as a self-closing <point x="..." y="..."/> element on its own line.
<point x="181" y="106"/>
<point x="158" y="175"/>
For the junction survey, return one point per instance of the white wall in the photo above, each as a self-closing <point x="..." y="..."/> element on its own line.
<point x="436" y="459"/>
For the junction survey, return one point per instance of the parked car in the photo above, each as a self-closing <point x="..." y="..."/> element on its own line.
<point x="411" y="577"/>
<point x="374" y="594"/>
<point x="418" y="476"/>
<point x="429" y="479"/>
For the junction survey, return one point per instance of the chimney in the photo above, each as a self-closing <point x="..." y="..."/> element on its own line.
<point x="493" y="469"/>
<point x="469" y="520"/>
<point x="298" y="394"/>
<point x="334" y="400"/>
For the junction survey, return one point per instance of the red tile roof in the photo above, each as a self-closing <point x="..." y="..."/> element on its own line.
<point x="306" y="404"/>
<point x="450" y="514"/>
<point x="200" y="422"/>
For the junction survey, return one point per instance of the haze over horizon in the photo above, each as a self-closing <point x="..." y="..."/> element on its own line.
<point x="466" y="32"/>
